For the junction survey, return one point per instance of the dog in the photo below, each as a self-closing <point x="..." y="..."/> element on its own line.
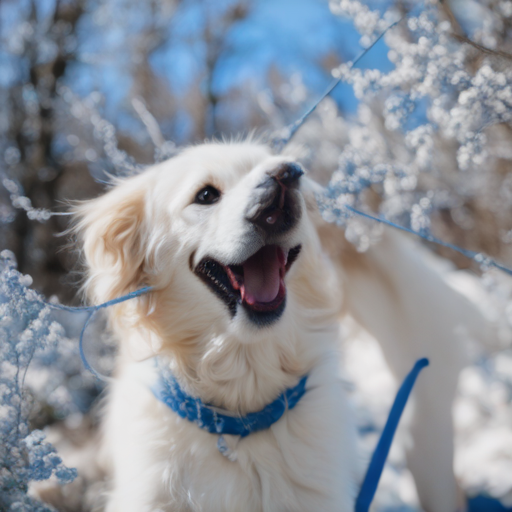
<point x="248" y="284"/>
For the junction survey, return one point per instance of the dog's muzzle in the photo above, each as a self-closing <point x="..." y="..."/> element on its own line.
<point x="275" y="207"/>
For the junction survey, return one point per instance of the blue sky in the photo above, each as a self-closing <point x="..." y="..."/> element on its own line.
<point x="294" y="36"/>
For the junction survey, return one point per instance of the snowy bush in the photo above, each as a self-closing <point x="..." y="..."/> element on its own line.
<point x="25" y="330"/>
<point x="421" y="136"/>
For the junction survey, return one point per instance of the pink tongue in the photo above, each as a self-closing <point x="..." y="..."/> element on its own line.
<point x="261" y="276"/>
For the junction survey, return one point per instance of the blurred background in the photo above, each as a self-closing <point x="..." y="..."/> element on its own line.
<point x="420" y="131"/>
<point x="93" y="87"/>
<point x="83" y="81"/>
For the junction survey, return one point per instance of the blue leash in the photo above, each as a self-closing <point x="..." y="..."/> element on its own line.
<point x="374" y="471"/>
<point x="91" y="310"/>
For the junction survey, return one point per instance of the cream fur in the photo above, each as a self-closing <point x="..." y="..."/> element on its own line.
<point x="147" y="231"/>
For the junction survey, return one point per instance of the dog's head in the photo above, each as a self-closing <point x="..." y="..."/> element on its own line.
<point x="222" y="233"/>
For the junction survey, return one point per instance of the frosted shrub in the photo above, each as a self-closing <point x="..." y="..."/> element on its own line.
<point x="25" y="330"/>
<point x="412" y="117"/>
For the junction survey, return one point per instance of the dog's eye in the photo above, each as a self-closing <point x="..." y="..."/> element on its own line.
<point x="207" y="195"/>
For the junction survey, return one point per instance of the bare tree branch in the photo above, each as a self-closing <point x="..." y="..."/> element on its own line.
<point x="149" y="121"/>
<point x="458" y="33"/>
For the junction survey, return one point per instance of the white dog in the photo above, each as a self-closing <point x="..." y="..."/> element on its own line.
<point x="248" y="285"/>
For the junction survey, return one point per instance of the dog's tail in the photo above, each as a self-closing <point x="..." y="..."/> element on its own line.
<point x="404" y="297"/>
<point x="414" y="305"/>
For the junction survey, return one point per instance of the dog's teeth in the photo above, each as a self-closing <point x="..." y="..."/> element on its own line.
<point x="282" y="254"/>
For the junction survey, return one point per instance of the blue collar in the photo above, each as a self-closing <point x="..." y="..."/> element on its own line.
<point x="207" y="417"/>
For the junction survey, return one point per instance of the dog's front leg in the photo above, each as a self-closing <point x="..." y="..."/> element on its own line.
<point x="430" y="457"/>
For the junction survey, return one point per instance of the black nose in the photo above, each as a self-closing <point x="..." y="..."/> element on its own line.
<point x="275" y="206"/>
<point x="288" y="174"/>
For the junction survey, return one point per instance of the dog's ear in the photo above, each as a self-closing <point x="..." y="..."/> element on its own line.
<point x="112" y="230"/>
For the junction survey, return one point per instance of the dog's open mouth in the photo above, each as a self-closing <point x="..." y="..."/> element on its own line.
<point x="257" y="283"/>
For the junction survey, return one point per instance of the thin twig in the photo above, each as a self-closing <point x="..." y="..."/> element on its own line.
<point x="295" y="126"/>
<point x="149" y="121"/>
<point x="483" y="49"/>
<point x="458" y="33"/>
